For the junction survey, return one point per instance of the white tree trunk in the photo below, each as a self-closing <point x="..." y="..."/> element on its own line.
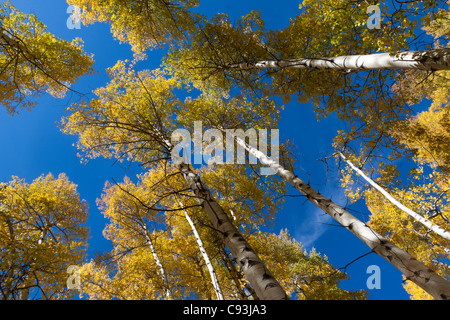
<point x="162" y="271"/>
<point x="209" y="265"/>
<point x="262" y="281"/>
<point x="411" y="268"/>
<point x="260" y="278"/>
<point x="427" y="223"/>
<point x="433" y="59"/>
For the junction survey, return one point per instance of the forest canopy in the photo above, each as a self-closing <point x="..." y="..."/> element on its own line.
<point x="216" y="120"/>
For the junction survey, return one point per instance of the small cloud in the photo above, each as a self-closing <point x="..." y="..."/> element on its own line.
<point x="312" y="228"/>
<point x="316" y="222"/>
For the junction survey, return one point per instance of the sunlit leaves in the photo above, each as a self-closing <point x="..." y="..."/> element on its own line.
<point x="130" y="116"/>
<point x="33" y="61"/>
<point x="423" y="137"/>
<point x="142" y="24"/>
<point x="426" y="246"/>
<point x="151" y="208"/>
<point x="306" y="276"/>
<point x="123" y="120"/>
<point x="427" y="134"/>
<point x="42" y="233"/>
<point x="214" y="46"/>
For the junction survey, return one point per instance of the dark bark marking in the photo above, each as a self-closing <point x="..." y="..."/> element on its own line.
<point x="267" y="277"/>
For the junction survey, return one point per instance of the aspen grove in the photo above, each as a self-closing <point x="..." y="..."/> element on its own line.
<point x="184" y="227"/>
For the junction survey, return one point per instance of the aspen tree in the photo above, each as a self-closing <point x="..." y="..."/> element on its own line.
<point x="34" y="61"/>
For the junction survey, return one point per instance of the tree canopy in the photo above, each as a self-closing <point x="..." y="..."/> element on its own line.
<point x="42" y="233"/>
<point x="204" y="230"/>
<point x="33" y="61"/>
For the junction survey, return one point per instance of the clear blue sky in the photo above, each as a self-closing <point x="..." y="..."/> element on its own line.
<point x="32" y="144"/>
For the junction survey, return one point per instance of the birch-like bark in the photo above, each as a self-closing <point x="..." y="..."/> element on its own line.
<point x="262" y="281"/>
<point x="234" y="274"/>
<point x="162" y="271"/>
<point x="427" y="223"/>
<point x="411" y="268"/>
<point x="209" y="265"/>
<point x="431" y="60"/>
<point x="260" y="278"/>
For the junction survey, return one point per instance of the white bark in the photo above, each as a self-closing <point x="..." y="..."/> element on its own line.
<point x="260" y="278"/>
<point x="209" y="265"/>
<point x="162" y="271"/>
<point x="427" y="223"/>
<point x="411" y="268"/>
<point x="433" y="59"/>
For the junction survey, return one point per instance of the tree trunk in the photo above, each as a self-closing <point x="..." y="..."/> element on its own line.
<point x="265" y="285"/>
<point x="212" y="271"/>
<point x="427" y="223"/>
<point x="412" y="269"/>
<point x="162" y="271"/>
<point x="234" y="274"/>
<point x="433" y="59"/>
<point x="262" y="281"/>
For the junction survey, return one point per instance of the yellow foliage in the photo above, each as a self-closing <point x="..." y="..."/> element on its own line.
<point x="42" y="233"/>
<point x="151" y="208"/>
<point x="34" y="61"/>
<point x="142" y="24"/>
<point x="407" y="233"/>
<point x="304" y="276"/>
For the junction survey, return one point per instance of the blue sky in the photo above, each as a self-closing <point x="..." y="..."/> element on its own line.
<point x="32" y="144"/>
